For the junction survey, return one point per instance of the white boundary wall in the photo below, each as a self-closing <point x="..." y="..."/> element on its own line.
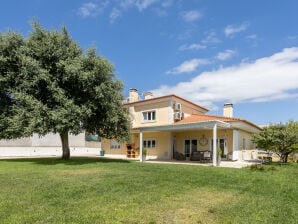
<point x="48" y="145"/>
<point x="6" y="152"/>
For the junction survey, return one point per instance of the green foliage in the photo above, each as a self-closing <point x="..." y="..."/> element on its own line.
<point x="47" y="84"/>
<point x="280" y="138"/>
<point x="144" y="151"/>
<point x="219" y="151"/>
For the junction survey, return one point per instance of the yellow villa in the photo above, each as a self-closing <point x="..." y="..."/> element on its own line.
<point x="171" y="127"/>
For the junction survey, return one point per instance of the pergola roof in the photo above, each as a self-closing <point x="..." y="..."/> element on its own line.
<point x="185" y="126"/>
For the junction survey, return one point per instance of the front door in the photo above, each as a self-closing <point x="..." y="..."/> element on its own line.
<point x="190" y="145"/>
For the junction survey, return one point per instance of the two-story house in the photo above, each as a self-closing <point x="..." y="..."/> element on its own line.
<point x="168" y="124"/>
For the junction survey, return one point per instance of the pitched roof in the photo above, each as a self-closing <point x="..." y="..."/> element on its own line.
<point x="203" y="117"/>
<point x="167" y="96"/>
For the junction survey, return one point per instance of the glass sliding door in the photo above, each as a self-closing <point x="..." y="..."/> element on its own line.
<point x="187" y="148"/>
<point x="190" y="145"/>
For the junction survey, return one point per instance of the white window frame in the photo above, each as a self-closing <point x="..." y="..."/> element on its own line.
<point x="114" y="144"/>
<point x="149" y="143"/>
<point x="147" y="112"/>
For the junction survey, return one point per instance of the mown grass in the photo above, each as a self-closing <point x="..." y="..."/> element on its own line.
<point x="93" y="190"/>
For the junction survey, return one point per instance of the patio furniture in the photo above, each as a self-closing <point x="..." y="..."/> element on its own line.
<point x="179" y="156"/>
<point x="196" y="156"/>
<point x="202" y="156"/>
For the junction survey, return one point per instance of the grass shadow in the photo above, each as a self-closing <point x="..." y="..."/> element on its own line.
<point x="71" y="162"/>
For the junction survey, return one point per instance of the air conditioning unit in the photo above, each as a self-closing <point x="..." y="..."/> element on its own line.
<point x="177" y="116"/>
<point x="177" y="106"/>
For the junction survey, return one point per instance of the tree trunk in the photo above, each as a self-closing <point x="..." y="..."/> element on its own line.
<point x="65" y="145"/>
<point x="286" y="158"/>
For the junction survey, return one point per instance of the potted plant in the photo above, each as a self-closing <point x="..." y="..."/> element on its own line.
<point x="218" y="153"/>
<point x="144" y="153"/>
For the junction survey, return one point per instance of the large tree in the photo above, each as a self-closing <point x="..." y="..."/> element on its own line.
<point x="279" y="138"/>
<point x="48" y="84"/>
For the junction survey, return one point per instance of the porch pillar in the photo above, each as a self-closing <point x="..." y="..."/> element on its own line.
<point x="141" y="146"/>
<point x="214" y="144"/>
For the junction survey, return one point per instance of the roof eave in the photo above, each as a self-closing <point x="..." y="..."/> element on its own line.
<point x="190" y="126"/>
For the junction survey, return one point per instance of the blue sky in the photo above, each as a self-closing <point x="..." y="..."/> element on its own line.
<point x="207" y="51"/>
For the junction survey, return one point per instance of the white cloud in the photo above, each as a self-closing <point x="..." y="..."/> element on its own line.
<point x="140" y="4"/>
<point x="143" y="4"/>
<point x="125" y="5"/>
<point x="211" y="38"/>
<point x="167" y="3"/>
<point x="91" y="9"/>
<point x="263" y="80"/>
<point x="190" y="16"/>
<point x="230" y="30"/>
<point x="252" y="37"/>
<point x="185" y="47"/>
<point x="188" y="66"/>
<point x="115" y="13"/>
<point x="87" y="9"/>
<point x="225" y="55"/>
<point x="160" y="12"/>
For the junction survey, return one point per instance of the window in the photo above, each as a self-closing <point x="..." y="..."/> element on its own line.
<point x="149" y="143"/>
<point x="149" y="115"/>
<point x="244" y="143"/>
<point x="114" y="144"/>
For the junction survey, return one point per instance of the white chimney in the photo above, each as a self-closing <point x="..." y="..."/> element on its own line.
<point x="228" y="110"/>
<point x="133" y="95"/>
<point x="148" y="95"/>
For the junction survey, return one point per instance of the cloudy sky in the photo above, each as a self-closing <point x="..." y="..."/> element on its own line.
<point x="207" y="51"/>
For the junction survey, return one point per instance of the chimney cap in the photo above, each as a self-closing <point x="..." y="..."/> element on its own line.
<point x="133" y="90"/>
<point x="228" y="105"/>
<point x="148" y="93"/>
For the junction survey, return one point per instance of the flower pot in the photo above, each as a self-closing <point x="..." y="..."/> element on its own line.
<point x="144" y="158"/>
<point x="218" y="160"/>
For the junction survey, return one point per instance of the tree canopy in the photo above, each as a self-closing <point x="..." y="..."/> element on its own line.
<point x="279" y="138"/>
<point x="48" y="84"/>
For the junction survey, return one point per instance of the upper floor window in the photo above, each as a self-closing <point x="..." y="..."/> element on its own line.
<point x="149" y="115"/>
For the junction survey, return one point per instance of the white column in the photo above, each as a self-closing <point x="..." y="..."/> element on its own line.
<point x="141" y="146"/>
<point x="214" y="144"/>
<point x="236" y="152"/>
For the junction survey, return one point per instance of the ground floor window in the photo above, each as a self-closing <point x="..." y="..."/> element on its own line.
<point x="244" y="143"/>
<point x="115" y="144"/>
<point x="149" y="143"/>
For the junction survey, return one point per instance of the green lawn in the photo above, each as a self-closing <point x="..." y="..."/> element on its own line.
<point x="93" y="190"/>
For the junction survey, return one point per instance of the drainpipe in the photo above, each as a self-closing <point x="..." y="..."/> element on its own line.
<point x="214" y="144"/>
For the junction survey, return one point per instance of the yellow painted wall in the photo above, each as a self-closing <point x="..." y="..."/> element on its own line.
<point x="162" y="114"/>
<point x="164" y="141"/>
<point x="163" y="144"/>
<point x="164" y="111"/>
<point x="106" y="146"/>
<point x="182" y="136"/>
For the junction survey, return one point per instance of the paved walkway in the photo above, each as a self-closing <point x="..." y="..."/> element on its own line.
<point x="229" y="164"/>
